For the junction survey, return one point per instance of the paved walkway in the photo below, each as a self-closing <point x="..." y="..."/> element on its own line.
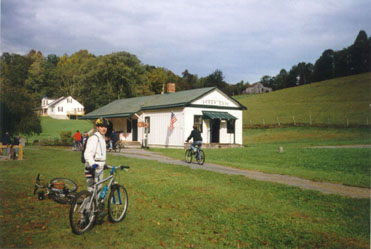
<point x="324" y="187"/>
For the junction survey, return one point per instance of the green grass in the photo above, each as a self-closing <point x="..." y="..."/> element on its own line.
<point x="341" y="101"/>
<point x="349" y="166"/>
<point x="51" y="128"/>
<point x="173" y="206"/>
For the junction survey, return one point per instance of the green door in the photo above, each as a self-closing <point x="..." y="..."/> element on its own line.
<point x="135" y="129"/>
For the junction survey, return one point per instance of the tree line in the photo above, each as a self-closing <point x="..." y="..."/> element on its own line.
<point x="98" y="80"/>
<point x="354" y="59"/>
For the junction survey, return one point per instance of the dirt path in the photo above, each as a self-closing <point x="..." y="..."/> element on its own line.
<point x="324" y="187"/>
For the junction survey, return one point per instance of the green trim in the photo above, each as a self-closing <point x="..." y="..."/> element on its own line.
<point x="215" y="107"/>
<point x="117" y="115"/>
<point x="218" y="115"/>
<point x="162" y="106"/>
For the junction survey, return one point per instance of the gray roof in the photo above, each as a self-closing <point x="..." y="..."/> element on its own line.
<point x="129" y="106"/>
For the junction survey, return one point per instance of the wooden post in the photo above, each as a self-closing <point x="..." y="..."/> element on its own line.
<point x="263" y="122"/>
<point x="293" y="118"/>
<point x="20" y="152"/>
<point x="278" y="121"/>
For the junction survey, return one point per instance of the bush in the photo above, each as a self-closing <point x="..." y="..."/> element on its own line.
<point x="56" y="141"/>
<point x="66" y="138"/>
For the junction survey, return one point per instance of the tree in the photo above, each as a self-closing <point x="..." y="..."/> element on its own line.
<point x="324" y="68"/>
<point x="359" y="54"/>
<point x="305" y="71"/>
<point x="216" y="79"/>
<point x="17" y="115"/>
<point x="293" y="77"/>
<point x="35" y="80"/>
<point x="342" y="65"/>
<point x="281" y="80"/>
<point x="188" y="80"/>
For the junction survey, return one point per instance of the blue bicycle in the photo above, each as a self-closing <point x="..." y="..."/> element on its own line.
<point x="197" y="153"/>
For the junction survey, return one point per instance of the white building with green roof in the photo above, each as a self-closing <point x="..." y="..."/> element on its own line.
<point x="147" y="119"/>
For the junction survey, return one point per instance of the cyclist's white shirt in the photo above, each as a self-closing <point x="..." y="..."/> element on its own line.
<point x="95" y="152"/>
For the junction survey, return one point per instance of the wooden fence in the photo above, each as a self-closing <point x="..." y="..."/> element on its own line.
<point x="3" y="149"/>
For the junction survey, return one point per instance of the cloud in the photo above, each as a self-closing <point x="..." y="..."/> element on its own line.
<point x="245" y="39"/>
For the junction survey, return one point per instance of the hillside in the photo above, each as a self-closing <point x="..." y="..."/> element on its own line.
<point x="51" y="128"/>
<point x="341" y="101"/>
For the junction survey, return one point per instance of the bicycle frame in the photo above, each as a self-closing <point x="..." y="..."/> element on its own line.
<point x="89" y="205"/>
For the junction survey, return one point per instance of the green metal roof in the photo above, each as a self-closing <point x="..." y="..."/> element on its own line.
<point x="127" y="107"/>
<point x="218" y="115"/>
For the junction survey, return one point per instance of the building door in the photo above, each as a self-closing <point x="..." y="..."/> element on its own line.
<point x="215" y="127"/>
<point x="135" y="129"/>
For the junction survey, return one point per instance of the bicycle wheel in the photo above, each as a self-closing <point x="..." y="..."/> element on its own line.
<point x="81" y="218"/>
<point x="64" y="183"/>
<point x="202" y="157"/>
<point x="61" y="189"/>
<point x="188" y="156"/>
<point x="117" y="203"/>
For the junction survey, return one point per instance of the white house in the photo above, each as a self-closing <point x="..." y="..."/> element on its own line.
<point x="147" y="119"/>
<point x="61" y="108"/>
<point x="257" y="88"/>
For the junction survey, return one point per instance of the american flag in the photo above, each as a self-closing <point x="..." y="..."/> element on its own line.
<point x="172" y="121"/>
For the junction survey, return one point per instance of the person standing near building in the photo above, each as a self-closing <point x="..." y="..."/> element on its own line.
<point x="7" y="142"/>
<point x="77" y="137"/>
<point x="85" y="138"/>
<point x="114" y="138"/>
<point x="95" y="154"/>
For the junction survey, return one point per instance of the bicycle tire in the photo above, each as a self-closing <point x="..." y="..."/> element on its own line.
<point x="81" y="220"/>
<point x="188" y="156"/>
<point x="202" y="157"/>
<point x="117" y="203"/>
<point x="70" y="185"/>
<point x="37" y="182"/>
<point x="62" y="198"/>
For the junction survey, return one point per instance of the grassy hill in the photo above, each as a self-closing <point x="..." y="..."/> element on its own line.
<point x="51" y="127"/>
<point x="342" y="101"/>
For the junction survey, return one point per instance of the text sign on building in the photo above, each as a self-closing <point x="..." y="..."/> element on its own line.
<point x="215" y="102"/>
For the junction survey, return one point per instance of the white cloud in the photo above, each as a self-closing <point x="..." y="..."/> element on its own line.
<point x="244" y="38"/>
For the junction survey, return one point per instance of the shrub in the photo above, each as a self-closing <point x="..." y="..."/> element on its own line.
<point x="66" y="138"/>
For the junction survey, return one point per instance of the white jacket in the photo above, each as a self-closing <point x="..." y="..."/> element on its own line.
<point x="95" y="152"/>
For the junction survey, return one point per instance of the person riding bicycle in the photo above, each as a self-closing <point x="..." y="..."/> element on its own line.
<point x="197" y="140"/>
<point x="77" y="137"/>
<point x="95" y="154"/>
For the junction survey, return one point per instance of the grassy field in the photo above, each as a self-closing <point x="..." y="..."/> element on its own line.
<point x="51" y="128"/>
<point x="173" y="206"/>
<point x="349" y="166"/>
<point x="341" y="101"/>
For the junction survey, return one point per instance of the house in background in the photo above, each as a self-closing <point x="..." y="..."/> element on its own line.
<point x="61" y="108"/>
<point x="166" y="120"/>
<point x="257" y="88"/>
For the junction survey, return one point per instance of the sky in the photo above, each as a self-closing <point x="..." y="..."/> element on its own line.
<point x="245" y="39"/>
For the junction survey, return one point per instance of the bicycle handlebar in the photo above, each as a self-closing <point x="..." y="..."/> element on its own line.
<point x="117" y="167"/>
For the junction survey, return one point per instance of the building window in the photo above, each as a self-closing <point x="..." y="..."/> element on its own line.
<point x="128" y="125"/>
<point x="147" y="120"/>
<point x="230" y="125"/>
<point x="197" y="121"/>
<point x="60" y="108"/>
<point x="69" y="100"/>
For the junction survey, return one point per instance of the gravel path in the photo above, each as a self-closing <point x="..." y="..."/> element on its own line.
<point x="324" y="187"/>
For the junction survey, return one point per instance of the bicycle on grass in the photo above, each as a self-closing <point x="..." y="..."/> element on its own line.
<point x="197" y="153"/>
<point x="87" y="206"/>
<point x="59" y="189"/>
